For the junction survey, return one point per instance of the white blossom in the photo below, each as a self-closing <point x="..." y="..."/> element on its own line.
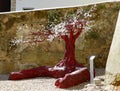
<point x="50" y="38"/>
<point x="87" y="15"/>
<point x="59" y="29"/>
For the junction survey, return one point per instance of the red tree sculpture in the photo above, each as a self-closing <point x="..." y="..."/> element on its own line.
<point x="68" y="71"/>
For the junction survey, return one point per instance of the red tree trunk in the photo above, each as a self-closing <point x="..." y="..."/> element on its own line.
<point x="69" y="61"/>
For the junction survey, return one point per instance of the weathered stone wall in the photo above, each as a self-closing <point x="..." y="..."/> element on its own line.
<point x="96" y="42"/>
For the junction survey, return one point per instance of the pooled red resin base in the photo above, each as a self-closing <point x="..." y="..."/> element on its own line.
<point x="73" y="78"/>
<point x="67" y="77"/>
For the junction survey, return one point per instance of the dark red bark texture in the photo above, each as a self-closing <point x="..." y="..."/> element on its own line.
<point x="68" y="71"/>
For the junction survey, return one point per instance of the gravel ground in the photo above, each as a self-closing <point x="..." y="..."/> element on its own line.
<point x="44" y="84"/>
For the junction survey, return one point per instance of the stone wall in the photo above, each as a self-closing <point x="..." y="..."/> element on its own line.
<point x="96" y="42"/>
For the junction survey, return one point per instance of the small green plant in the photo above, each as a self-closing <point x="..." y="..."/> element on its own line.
<point x="0" y="25"/>
<point x="101" y="6"/>
<point x="53" y="17"/>
<point x="117" y="7"/>
<point x="94" y="35"/>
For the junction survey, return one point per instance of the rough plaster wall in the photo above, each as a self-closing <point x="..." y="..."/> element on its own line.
<point x="96" y="42"/>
